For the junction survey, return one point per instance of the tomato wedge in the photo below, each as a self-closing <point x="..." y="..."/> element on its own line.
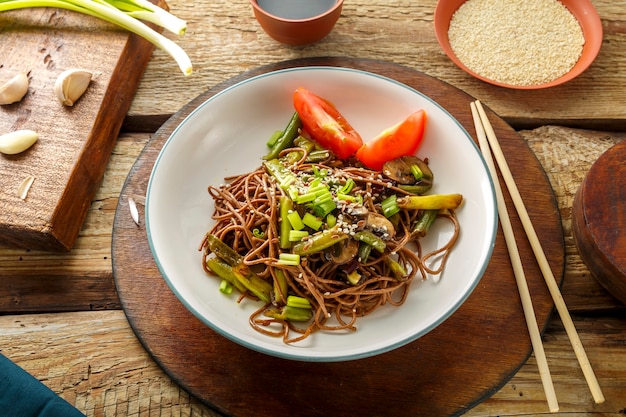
<point x="394" y="142"/>
<point x="325" y="124"/>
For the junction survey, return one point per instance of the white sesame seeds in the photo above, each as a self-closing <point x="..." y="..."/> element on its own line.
<point x="516" y="42"/>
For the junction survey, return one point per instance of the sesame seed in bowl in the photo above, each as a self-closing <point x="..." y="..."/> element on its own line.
<point x="521" y="44"/>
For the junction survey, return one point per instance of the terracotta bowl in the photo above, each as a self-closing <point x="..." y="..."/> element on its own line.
<point x="297" y="31"/>
<point x="583" y="11"/>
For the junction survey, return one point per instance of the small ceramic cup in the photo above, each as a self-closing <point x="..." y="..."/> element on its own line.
<point x="293" y="26"/>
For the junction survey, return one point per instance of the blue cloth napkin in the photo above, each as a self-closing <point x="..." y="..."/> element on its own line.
<point x="22" y="395"/>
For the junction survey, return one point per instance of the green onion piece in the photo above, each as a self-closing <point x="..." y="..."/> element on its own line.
<point x="417" y="172"/>
<point x="397" y="270"/>
<point x="324" y="208"/>
<point x="430" y="202"/>
<point x="295" y="220"/>
<point x="285" y="208"/>
<point x="225" y="271"/>
<point x="390" y="206"/>
<point x="111" y="14"/>
<point x="317" y="156"/>
<point x="311" y="221"/>
<point x="272" y="140"/>
<point x="145" y="10"/>
<point x="305" y="198"/>
<point x="258" y="233"/>
<point x="289" y="313"/>
<point x="281" y="173"/>
<point x="225" y="287"/>
<point x="280" y="286"/>
<point x="304" y="143"/>
<point x="293" y="192"/>
<point x="331" y="220"/>
<point x="288" y="259"/>
<point x="354" y="277"/>
<point x="347" y="187"/>
<point x="347" y="197"/>
<point x="299" y="302"/>
<point x="319" y="241"/>
<point x="297" y="235"/>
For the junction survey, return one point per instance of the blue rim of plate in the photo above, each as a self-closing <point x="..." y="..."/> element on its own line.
<point x="304" y="357"/>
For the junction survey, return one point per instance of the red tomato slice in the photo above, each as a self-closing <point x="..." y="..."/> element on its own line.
<point x="325" y="124"/>
<point x="394" y="142"/>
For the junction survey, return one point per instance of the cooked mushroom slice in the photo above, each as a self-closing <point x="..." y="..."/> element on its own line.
<point x="410" y="171"/>
<point x="342" y="252"/>
<point x="379" y="225"/>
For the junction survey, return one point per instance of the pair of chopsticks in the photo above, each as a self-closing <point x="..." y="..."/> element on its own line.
<point x="487" y="140"/>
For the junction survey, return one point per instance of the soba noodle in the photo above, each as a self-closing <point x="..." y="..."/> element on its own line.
<point x="247" y="219"/>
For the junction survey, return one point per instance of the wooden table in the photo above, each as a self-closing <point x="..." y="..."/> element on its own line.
<point x="61" y="316"/>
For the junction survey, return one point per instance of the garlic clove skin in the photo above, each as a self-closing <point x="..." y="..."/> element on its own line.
<point x="17" y="141"/>
<point x="14" y="90"/>
<point x="71" y="84"/>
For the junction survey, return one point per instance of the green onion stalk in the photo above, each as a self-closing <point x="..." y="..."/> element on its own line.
<point x="125" y="14"/>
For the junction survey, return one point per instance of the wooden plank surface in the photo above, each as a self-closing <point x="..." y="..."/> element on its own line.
<point x="226" y="41"/>
<point x="99" y="365"/>
<point x="92" y="357"/>
<point x="75" y="143"/>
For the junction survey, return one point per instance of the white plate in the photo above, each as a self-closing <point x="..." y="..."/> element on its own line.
<point x="226" y="135"/>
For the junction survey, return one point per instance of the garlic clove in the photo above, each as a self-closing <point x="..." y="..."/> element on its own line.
<point x="14" y="90"/>
<point x="17" y="141"/>
<point x="71" y="84"/>
<point x="22" y="190"/>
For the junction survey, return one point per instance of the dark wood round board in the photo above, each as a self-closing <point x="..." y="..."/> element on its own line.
<point x="448" y="371"/>
<point x="599" y="220"/>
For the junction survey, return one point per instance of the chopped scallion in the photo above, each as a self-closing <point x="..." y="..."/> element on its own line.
<point x="299" y="302"/>
<point x="288" y="259"/>
<point x="125" y="14"/>
<point x="226" y="287"/>
<point x="390" y="206"/>
<point x="295" y="220"/>
<point x="297" y="235"/>
<point x="312" y="221"/>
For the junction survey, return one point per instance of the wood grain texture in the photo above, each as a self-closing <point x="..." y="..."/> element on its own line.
<point x="599" y="220"/>
<point x="75" y="143"/>
<point x="225" y="41"/>
<point x="423" y="378"/>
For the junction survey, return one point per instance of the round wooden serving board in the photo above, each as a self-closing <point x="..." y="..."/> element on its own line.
<point x="454" y="367"/>
<point x="599" y="220"/>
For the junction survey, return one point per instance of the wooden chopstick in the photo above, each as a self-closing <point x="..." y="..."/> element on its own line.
<point x="553" y="287"/>
<point x="516" y="262"/>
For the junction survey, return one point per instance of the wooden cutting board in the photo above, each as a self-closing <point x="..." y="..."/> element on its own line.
<point x="451" y="369"/>
<point x="74" y="145"/>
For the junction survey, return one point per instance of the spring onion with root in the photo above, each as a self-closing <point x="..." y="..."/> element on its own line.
<point x="125" y="14"/>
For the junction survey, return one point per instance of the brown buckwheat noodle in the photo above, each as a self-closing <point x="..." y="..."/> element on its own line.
<point x="249" y="202"/>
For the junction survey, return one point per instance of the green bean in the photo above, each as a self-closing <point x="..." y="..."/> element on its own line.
<point x="424" y="221"/>
<point x="371" y="239"/>
<point x="286" y="140"/>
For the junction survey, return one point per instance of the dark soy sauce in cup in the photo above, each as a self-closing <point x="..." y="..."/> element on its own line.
<point x="296" y="9"/>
